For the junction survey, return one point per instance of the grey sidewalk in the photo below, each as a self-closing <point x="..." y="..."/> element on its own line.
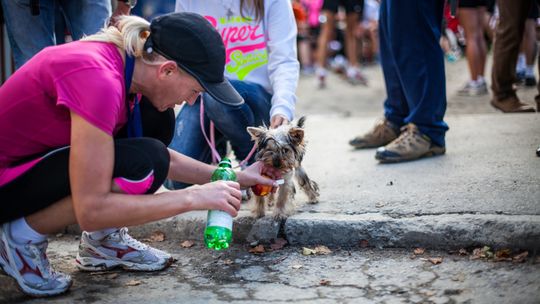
<point x="484" y="191"/>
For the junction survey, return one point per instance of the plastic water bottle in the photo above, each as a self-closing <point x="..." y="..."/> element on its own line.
<point x="218" y="232"/>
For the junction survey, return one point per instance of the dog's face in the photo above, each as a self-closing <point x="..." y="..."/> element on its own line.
<point x="282" y="148"/>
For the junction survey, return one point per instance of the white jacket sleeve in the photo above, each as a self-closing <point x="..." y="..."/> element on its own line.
<point x="283" y="65"/>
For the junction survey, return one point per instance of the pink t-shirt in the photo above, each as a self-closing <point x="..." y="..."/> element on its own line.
<point x="35" y="102"/>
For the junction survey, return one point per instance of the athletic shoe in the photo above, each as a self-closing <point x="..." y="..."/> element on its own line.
<point x="471" y="89"/>
<point x="119" y="249"/>
<point x="410" y="145"/>
<point x="29" y="266"/>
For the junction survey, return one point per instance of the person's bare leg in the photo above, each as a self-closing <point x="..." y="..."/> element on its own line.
<point x="350" y="39"/>
<point x="468" y="20"/>
<point x="327" y="30"/>
<point x="482" y="47"/>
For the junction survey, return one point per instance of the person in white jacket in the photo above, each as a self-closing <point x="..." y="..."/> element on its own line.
<point x="261" y="64"/>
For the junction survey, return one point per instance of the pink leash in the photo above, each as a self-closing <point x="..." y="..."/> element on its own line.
<point x="212" y="141"/>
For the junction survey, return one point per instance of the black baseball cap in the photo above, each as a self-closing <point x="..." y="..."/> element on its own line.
<point x="196" y="46"/>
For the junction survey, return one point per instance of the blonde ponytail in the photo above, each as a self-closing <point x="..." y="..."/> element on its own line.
<point x="130" y="35"/>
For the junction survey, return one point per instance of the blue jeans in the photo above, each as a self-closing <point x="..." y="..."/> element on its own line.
<point x="29" y="34"/>
<point x="230" y="125"/>
<point x="413" y="65"/>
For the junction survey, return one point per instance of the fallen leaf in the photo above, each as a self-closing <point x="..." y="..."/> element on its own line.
<point x="463" y="252"/>
<point x="187" y="244"/>
<point x="308" y="251"/>
<point x="296" y="266"/>
<point x="520" y="258"/>
<point x="379" y="205"/>
<point x="257" y="249"/>
<point x="364" y="243"/>
<point x="278" y="244"/>
<point x="503" y="253"/>
<point x="419" y="251"/>
<point x="157" y="236"/>
<point x="435" y="261"/>
<point x="133" y="283"/>
<point x="484" y="252"/>
<point x="324" y="282"/>
<point x="323" y="250"/>
<point x="228" y="262"/>
<point x="112" y="276"/>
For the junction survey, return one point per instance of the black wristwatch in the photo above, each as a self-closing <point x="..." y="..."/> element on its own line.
<point x="131" y="3"/>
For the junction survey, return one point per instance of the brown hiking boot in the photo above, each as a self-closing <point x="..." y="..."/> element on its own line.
<point x="410" y="145"/>
<point x="382" y="133"/>
<point x="512" y="105"/>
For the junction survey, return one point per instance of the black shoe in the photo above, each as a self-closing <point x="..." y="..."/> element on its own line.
<point x="530" y="81"/>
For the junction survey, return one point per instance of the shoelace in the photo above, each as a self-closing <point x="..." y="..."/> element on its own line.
<point x="126" y="238"/>
<point x="38" y="250"/>
<point x="406" y="132"/>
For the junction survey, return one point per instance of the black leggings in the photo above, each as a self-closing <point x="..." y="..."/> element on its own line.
<point x="136" y="160"/>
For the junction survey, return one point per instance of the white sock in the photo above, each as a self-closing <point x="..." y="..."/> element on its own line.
<point x="529" y="72"/>
<point x="22" y="233"/>
<point x="101" y="234"/>
<point x="521" y="63"/>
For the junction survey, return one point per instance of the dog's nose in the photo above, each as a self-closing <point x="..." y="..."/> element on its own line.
<point x="276" y="163"/>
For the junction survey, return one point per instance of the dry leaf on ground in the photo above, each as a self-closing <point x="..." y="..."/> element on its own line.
<point x="463" y="252"/>
<point x="112" y="276"/>
<point x="133" y="283"/>
<point x="520" y="258"/>
<point x="435" y="261"/>
<point x="257" y="249"/>
<point x="298" y="266"/>
<point x="419" y="251"/>
<point x="364" y="243"/>
<point x="187" y="244"/>
<point x="322" y="250"/>
<point x="503" y="255"/>
<point x="308" y="251"/>
<point x="484" y="252"/>
<point x="324" y="282"/>
<point x="278" y="244"/>
<point x="228" y="262"/>
<point x="156" y="236"/>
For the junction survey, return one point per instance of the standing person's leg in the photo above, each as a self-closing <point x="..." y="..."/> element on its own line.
<point x="28" y="34"/>
<point x="354" y="9"/>
<point x="329" y="10"/>
<point x="233" y="121"/>
<point x="395" y="105"/>
<point x="414" y="27"/>
<point x="86" y="17"/>
<point x="508" y="35"/>
<point x="528" y="47"/>
<point x="471" y="20"/>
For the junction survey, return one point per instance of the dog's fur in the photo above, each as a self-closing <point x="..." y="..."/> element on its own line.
<point x="283" y="148"/>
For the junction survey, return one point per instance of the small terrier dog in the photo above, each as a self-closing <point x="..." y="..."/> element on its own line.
<point x="283" y="148"/>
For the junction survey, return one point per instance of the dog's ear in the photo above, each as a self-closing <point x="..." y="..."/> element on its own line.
<point x="296" y="135"/>
<point x="301" y="122"/>
<point x="256" y="133"/>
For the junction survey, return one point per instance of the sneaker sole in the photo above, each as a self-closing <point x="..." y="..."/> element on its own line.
<point x="431" y="153"/>
<point x="92" y="264"/>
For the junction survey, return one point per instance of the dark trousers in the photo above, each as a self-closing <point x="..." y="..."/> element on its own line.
<point x="508" y="37"/>
<point x="413" y="65"/>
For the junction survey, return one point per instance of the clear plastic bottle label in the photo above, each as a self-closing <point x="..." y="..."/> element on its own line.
<point x="219" y="218"/>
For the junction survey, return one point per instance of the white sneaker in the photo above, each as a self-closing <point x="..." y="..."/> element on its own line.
<point x="355" y="76"/>
<point x="473" y="89"/>
<point x="321" y="77"/>
<point x="29" y="266"/>
<point x="119" y="249"/>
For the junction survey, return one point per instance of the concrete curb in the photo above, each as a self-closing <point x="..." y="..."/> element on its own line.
<point x="448" y="231"/>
